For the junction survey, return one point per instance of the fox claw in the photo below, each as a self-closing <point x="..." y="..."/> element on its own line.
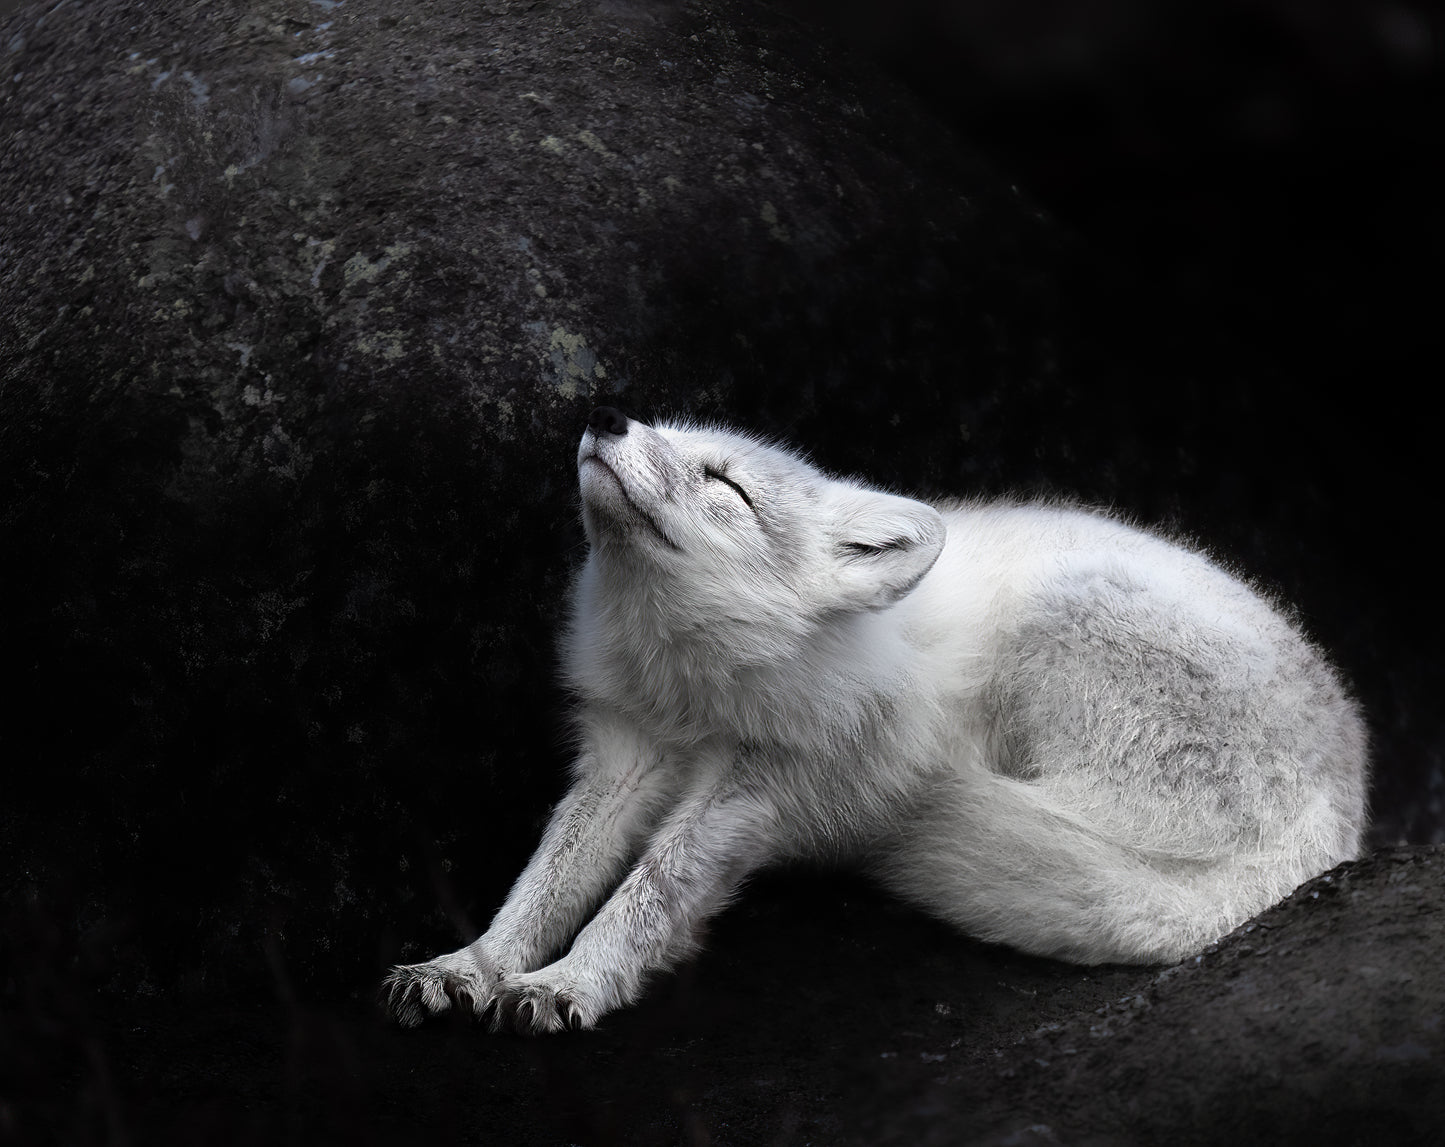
<point x="537" y="1009"/>
<point x="412" y="993"/>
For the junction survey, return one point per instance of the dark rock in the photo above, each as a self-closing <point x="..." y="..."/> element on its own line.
<point x="304" y="305"/>
<point x="821" y="1013"/>
<point x="1321" y="1021"/>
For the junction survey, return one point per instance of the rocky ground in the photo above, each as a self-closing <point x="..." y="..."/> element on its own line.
<point x="821" y="1014"/>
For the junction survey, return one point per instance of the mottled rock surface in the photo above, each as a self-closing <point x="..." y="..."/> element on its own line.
<point x="306" y="306"/>
<point x="302" y="306"/>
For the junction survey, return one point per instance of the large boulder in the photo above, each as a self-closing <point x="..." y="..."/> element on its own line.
<point x="306" y="304"/>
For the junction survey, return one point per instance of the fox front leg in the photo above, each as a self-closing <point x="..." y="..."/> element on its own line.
<point x="692" y="865"/>
<point x="594" y="830"/>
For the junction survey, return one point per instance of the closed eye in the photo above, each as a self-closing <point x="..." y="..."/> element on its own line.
<point x="868" y="549"/>
<point x="718" y="476"/>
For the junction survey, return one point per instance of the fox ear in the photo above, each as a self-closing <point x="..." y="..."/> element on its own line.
<point x="882" y="545"/>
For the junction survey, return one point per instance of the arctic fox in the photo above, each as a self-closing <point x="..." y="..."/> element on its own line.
<point x="1044" y="726"/>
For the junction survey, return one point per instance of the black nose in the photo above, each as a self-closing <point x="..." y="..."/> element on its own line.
<point x="607" y="420"/>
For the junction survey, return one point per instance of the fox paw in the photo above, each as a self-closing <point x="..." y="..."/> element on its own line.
<point x="414" y="992"/>
<point x="538" y="1004"/>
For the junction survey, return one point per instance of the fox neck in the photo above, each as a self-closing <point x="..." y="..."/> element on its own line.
<point x="689" y="675"/>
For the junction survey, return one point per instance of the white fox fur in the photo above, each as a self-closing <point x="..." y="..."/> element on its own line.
<point x="1047" y="727"/>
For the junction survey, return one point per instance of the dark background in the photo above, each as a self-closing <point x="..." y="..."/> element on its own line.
<point x="1268" y="174"/>
<point x="1222" y="316"/>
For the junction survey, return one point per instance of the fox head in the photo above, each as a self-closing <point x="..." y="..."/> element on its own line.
<point x="707" y="529"/>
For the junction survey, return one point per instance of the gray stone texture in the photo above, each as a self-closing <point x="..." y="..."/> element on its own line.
<point x="302" y="307"/>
